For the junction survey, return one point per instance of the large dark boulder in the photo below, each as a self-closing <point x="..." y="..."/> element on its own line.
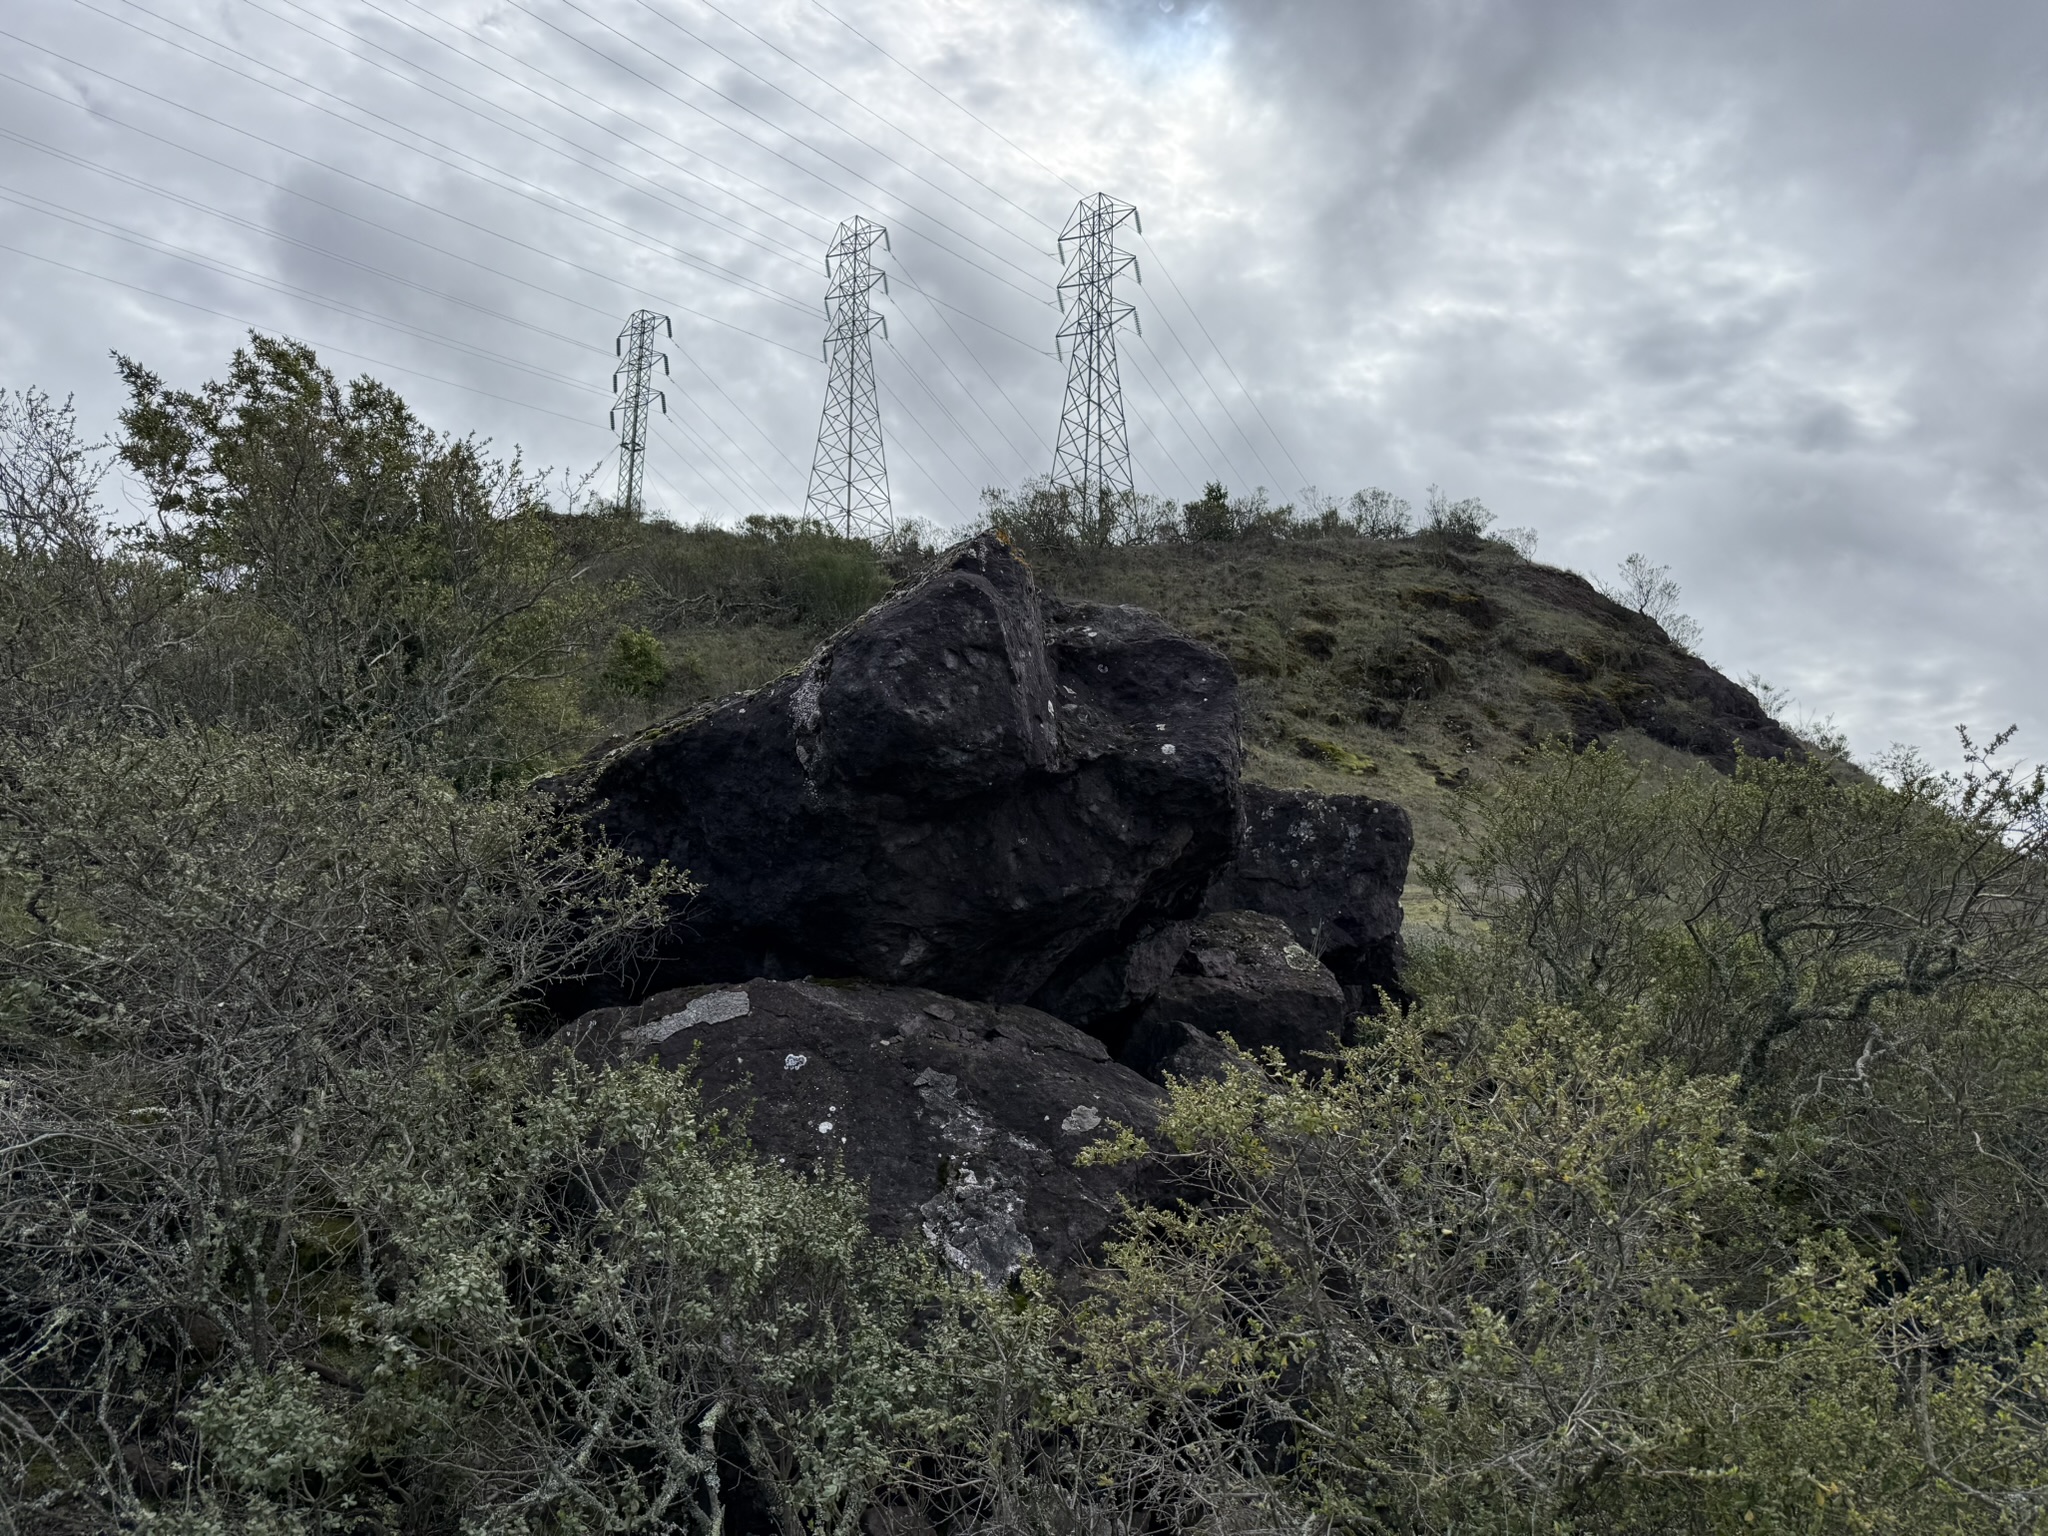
<point x="1242" y="975"/>
<point x="970" y="789"/>
<point x="1332" y="868"/>
<point x="962" y="1118"/>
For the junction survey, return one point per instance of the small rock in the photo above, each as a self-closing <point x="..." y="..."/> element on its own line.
<point x="1243" y="975"/>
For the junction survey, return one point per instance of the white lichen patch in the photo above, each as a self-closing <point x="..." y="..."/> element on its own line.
<point x="958" y="1122"/>
<point x="976" y="1223"/>
<point x="711" y="1008"/>
<point x="803" y="704"/>
<point x="1299" y="959"/>
<point x="1081" y="1119"/>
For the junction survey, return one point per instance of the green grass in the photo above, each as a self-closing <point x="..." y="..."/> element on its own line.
<point x="1403" y="669"/>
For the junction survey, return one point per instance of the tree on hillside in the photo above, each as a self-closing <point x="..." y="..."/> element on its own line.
<point x="370" y="574"/>
<point x="1650" y="591"/>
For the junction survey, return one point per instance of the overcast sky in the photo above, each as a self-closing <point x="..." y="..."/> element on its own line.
<point x="1758" y="289"/>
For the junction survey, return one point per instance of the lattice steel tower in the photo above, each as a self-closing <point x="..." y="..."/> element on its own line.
<point x="637" y="358"/>
<point x="1094" y="452"/>
<point x="849" y="480"/>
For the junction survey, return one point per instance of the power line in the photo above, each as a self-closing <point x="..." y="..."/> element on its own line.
<point x="1026" y="154"/>
<point x="1159" y="443"/>
<point x="839" y="128"/>
<point x="941" y="94"/>
<point x="322" y="346"/>
<point x="960" y="385"/>
<point x="1171" y="415"/>
<point x="373" y="315"/>
<point x="526" y="10"/>
<point x="357" y="311"/>
<point x="559" y="106"/>
<point x="682" y="503"/>
<point x="705" y="453"/>
<point x="940" y="311"/>
<point x="939" y="304"/>
<point x="903" y="448"/>
<point x="744" y="415"/>
<point x="336" y="170"/>
<point x="256" y="279"/>
<point x="1214" y="393"/>
<point x="728" y="226"/>
<point x="529" y="191"/>
<point x="327" y="252"/>
<point x="944" y="409"/>
<point x="1225" y="361"/>
<point x="695" y="37"/>
<point x="212" y="263"/>
<point x="967" y="314"/>
<point x="1222" y="453"/>
<point x="1046" y="224"/>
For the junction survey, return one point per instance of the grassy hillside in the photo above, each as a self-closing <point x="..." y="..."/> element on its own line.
<point x="1405" y="668"/>
<point x="1401" y="668"/>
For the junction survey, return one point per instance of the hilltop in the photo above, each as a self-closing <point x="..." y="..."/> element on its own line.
<point x="1404" y="668"/>
<point x="1408" y="669"/>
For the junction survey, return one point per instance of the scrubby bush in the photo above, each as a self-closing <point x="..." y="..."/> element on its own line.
<point x="1049" y="518"/>
<point x="1868" y="958"/>
<point x="1536" y="1282"/>
<point x="356" y="571"/>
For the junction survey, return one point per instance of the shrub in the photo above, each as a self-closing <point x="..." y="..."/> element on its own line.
<point x="1530" y="1286"/>
<point x="634" y="665"/>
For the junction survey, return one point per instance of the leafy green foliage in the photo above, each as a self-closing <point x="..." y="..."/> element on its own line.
<point x="1869" y="958"/>
<point x="368" y="574"/>
<point x="634" y="665"/>
<point x="1538" y="1284"/>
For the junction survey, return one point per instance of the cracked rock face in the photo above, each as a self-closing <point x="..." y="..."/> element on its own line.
<point x="1331" y="867"/>
<point x="962" y="1118"/>
<point x="1242" y="975"/>
<point x="970" y="789"/>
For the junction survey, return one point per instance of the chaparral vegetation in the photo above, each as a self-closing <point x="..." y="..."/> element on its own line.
<point x="1697" y="1183"/>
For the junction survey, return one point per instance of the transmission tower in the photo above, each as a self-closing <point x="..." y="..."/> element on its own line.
<point x="849" y="481"/>
<point x="637" y="357"/>
<point x="1094" y="453"/>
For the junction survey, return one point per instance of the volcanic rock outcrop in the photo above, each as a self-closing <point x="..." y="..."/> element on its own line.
<point x="1329" y="867"/>
<point x="962" y="1118"/>
<point x="970" y="789"/>
<point x="974" y="813"/>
